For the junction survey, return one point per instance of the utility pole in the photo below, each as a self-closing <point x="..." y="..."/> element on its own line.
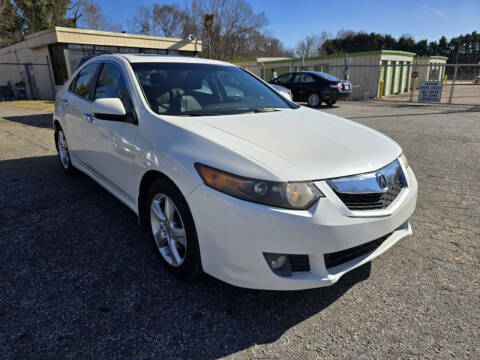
<point x="345" y="67"/>
<point x="208" y="22"/>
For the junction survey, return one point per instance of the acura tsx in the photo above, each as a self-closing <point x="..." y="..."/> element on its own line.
<point x="228" y="176"/>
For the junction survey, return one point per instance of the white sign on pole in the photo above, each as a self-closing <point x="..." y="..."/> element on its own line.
<point x="430" y="91"/>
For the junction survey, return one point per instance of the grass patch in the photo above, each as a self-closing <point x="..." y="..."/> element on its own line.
<point x="44" y="105"/>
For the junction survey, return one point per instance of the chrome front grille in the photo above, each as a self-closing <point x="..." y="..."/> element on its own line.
<point x="372" y="191"/>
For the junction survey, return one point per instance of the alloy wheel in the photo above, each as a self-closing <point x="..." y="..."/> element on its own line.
<point x="314" y="100"/>
<point x="168" y="230"/>
<point x="63" y="150"/>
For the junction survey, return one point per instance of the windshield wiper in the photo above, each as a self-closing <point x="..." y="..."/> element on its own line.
<point x="267" y="109"/>
<point x="198" y="113"/>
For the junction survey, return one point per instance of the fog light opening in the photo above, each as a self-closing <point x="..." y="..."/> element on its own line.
<point x="279" y="264"/>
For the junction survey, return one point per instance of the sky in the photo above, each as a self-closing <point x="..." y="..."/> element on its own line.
<point x="290" y="21"/>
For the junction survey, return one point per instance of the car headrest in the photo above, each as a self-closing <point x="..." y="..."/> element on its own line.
<point x="193" y="81"/>
<point x="157" y="78"/>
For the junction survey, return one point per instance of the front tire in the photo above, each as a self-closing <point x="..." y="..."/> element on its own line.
<point x="173" y="230"/>
<point x="314" y="100"/>
<point x="63" y="152"/>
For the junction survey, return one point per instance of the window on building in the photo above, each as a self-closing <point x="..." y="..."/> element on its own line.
<point x="58" y="63"/>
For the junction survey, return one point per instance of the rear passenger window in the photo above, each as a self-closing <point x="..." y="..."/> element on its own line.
<point x="83" y="82"/>
<point x="304" y="78"/>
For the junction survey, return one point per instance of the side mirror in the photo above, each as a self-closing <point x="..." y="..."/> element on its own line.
<point x="109" y="109"/>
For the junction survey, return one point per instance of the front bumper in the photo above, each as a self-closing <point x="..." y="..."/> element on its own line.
<point x="233" y="235"/>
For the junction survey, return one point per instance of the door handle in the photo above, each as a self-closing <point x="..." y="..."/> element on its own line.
<point x="89" y="117"/>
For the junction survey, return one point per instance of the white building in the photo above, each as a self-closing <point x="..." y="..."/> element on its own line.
<point x="44" y="60"/>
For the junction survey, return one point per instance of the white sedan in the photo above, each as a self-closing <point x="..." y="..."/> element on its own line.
<point x="228" y="176"/>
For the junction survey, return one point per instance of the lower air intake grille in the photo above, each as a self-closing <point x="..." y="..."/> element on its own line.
<point x="340" y="257"/>
<point x="299" y="262"/>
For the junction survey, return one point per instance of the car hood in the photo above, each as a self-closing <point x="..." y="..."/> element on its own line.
<point x="314" y="144"/>
<point x="288" y="145"/>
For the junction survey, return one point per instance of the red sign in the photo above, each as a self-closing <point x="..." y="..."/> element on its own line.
<point x="415" y="74"/>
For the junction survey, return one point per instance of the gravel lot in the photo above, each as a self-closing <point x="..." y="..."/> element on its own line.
<point x="79" y="281"/>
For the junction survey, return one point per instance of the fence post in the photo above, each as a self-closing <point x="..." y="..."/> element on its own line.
<point x="413" y="82"/>
<point x="453" y="83"/>
<point x="454" y="73"/>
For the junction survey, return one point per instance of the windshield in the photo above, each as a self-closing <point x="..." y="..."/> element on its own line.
<point x="203" y="89"/>
<point x="326" y="76"/>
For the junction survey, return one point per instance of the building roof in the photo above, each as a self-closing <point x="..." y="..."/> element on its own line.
<point x="267" y="59"/>
<point x="103" y="38"/>
<point x="326" y="57"/>
<point x="434" y="57"/>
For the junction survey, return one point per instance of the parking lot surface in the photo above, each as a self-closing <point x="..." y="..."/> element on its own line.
<point x="80" y="281"/>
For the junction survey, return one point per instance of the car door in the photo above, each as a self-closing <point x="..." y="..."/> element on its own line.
<point x="303" y="85"/>
<point x="284" y="80"/>
<point x="77" y="104"/>
<point x="113" y="151"/>
<point x="296" y="87"/>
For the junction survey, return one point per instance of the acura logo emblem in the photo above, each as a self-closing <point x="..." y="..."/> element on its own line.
<point x="382" y="181"/>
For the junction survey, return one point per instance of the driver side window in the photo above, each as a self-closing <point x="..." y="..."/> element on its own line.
<point x="282" y="79"/>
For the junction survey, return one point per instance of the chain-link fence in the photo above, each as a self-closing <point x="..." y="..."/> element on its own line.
<point x="30" y="80"/>
<point x="458" y="83"/>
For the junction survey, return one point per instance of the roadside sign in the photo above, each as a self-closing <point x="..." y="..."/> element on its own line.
<point x="430" y="91"/>
<point x="414" y="74"/>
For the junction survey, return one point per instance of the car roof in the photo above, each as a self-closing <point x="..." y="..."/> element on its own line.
<point x="147" y="58"/>
<point x="299" y="72"/>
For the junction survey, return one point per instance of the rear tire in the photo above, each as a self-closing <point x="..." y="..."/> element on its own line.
<point x="314" y="100"/>
<point x="173" y="230"/>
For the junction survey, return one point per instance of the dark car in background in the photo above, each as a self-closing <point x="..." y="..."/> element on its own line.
<point x="315" y="87"/>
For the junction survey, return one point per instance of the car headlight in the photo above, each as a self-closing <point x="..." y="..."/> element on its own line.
<point x="289" y="195"/>
<point x="404" y="160"/>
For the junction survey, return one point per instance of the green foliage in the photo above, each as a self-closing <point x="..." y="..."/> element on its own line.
<point x="38" y="15"/>
<point x="10" y="24"/>
<point x="23" y="17"/>
<point x="468" y="45"/>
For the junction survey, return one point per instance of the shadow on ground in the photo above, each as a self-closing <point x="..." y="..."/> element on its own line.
<point x="37" y="120"/>
<point x="80" y="281"/>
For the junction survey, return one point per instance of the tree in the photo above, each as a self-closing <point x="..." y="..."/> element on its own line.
<point x="422" y="48"/>
<point x="93" y="18"/>
<point x="11" y="25"/>
<point x="142" y="22"/>
<point x="311" y="45"/>
<point x="168" y="19"/>
<point x="38" y="15"/>
<point x="234" y="21"/>
<point x="237" y="30"/>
